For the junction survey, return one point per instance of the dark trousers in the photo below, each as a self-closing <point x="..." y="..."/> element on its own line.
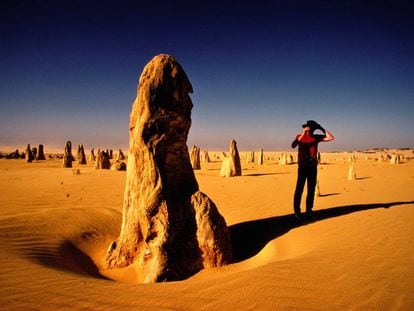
<point x="305" y="174"/>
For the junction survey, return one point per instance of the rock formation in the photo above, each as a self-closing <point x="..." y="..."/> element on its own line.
<point x="81" y="155"/>
<point x="13" y="155"/>
<point x="92" y="156"/>
<point x="118" y="166"/>
<point x="261" y="157"/>
<point x="40" y="154"/>
<point x="351" y="169"/>
<point x="120" y="156"/>
<point x="34" y="152"/>
<point x="206" y="157"/>
<point x="395" y="159"/>
<point x="231" y="165"/>
<point x="250" y="157"/>
<point x="29" y="154"/>
<point x="286" y="159"/>
<point x="170" y="230"/>
<point x="68" y="157"/>
<point x="195" y="158"/>
<point x="102" y="161"/>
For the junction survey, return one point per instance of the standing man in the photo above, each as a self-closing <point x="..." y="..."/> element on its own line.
<point x="308" y="164"/>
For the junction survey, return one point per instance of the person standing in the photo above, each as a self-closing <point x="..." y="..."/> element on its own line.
<point x="308" y="164"/>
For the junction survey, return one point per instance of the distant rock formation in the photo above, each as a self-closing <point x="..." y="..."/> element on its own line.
<point x="67" y="156"/>
<point x="231" y="165"/>
<point x="120" y="155"/>
<point x="205" y="156"/>
<point x="351" y="169"/>
<point x="260" y="160"/>
<point x="13" y="155"/>
<point x="118" y="166"/>
<point x="195" y="158"/>
<point x="395" y="159"/>
<point x="170" y="230"/>
<point x="250" y="157"/>
<point x="40" y="154"/>
<point x="81" y="155"/>
<point x="102" y="161"/>
<point x="34" y="152"/>
<point x="286" y="159"/>
<point x="92" y="156"/>
<point x="29" y="154"/>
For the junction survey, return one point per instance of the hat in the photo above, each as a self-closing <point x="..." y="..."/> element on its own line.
<point x="310" y="123"/>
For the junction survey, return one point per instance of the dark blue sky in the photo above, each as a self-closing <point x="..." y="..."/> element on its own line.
<point x="259" y="69"/>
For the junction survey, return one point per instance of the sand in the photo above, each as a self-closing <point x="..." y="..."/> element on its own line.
<point x="357" y="254"/>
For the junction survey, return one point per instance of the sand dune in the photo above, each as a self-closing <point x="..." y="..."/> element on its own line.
<point x="357" y="254"/>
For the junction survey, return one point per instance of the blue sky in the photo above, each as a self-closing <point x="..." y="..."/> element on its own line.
<point x="259" y="69"/>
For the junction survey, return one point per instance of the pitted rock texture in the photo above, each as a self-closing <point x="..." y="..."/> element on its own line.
<point x="170" y="230"/>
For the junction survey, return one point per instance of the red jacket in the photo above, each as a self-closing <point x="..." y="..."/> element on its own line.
<point x="308" y="149"/>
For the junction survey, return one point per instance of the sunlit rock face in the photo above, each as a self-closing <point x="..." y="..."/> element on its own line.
<point x="169" y="230"/>
<point x="231" y="165"/>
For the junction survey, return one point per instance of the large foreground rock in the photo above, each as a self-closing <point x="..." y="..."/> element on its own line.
<point x="170" y="230"/>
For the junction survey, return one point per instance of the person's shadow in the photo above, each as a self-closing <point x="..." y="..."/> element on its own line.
<point x="248" y="238"/>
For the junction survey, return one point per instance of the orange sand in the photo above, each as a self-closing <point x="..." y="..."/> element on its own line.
<point x="358" y="254"/>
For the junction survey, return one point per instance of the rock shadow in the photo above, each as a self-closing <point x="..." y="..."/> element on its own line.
<point x="66" y="257"/>
<point x="249" y="238"/>
<point x="329" y="194"/>
<point x="362" y="178"/>
<point x="263" y="174"/>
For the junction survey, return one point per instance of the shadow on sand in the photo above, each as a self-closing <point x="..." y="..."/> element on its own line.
<point x="263" y="174"/>
<point x="248" y="238"/>
<point x="67" y="257"/>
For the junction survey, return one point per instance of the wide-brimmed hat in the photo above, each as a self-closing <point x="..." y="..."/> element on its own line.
<point x="310" y="123"/>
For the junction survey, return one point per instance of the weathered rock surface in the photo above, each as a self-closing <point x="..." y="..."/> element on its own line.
<point x="81" y="155"/>
<point x="29" y="154"/>
<point x="68" y="157"/>
<point x="286" y="159"/>
<point x="34" y="152"/>
<point x="40" y="154"/>
<point x="206" y="157"/>
<point x="250" y="157"/>
<point x="395" y="159"/>
<point x="351" y="169"/>
<point x="102" y="161"/>
<point x="260" y="159"/>
<point x="170" y="230"/>
<point x="13" y="155"/>
<point x="118" y="166"/>
<point x="195" y="158"/>
<point x="120" y="155"/>
<point x="231" y="165"/>
<point x="92" y="156"/>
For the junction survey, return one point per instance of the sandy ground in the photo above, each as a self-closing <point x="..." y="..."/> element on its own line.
<point x="358" y="254"/>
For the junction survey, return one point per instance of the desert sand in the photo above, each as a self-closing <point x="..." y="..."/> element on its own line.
<point x="56" y="224"/>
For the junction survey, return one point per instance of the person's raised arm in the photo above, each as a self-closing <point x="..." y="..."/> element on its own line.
<point x="299" y="138"/>
<point x="329" y="136"/>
